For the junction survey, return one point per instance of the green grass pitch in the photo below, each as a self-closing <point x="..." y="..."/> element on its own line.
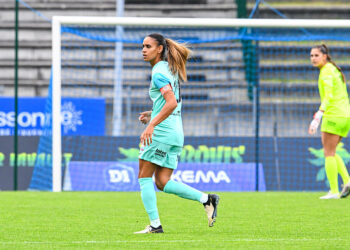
<point x="107" y="220"/>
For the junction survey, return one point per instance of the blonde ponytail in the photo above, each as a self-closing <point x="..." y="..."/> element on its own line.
<point x="177" y="56"/>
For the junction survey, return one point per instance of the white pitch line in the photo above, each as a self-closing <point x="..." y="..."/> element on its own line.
<point x="165" y="241"/>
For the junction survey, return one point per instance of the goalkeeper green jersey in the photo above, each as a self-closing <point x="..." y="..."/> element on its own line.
<point x="333" y="93"/>
<point x="170" y="130"/>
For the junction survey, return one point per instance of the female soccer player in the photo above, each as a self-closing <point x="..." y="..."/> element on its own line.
<point x="163" y="138"/>
<point x="335" y="110"/>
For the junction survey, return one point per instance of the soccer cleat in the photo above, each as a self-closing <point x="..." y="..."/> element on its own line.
<point x="211" y="207"/>
<point x="345" y="191"/>
<point x="329" y="196"/>
<point x="151" y="230"/>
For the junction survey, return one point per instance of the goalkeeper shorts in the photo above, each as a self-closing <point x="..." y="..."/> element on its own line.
<point x="161" y="154"/>
<point x="336" y="125"/>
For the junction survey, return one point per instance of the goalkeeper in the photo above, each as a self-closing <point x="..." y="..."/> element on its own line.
<point x="163" y="138"/>
<point x="335" y="112"/>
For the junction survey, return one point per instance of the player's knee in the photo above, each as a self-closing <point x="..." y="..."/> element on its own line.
<point x="329" y="152"/>
<point x="159" y="186"/>
<point x="144" y="174"/>
<point x="161" y="182"/>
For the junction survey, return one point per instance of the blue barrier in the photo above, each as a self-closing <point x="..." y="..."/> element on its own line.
<point x="80" y="116"/>
<point x="115" y="176"/>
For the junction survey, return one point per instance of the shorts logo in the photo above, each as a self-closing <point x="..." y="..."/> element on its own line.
<point x="331" y="123"/>
<point x="160" y="153"/>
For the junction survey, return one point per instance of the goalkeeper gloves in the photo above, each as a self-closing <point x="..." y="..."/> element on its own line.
<point x="315" y="122"/>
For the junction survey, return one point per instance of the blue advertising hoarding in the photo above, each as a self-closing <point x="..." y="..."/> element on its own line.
<point x="292" y="164"/>
<point x="79" y="116"/>
<point x="116" y="176"/>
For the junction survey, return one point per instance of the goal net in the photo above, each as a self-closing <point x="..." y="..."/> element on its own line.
<point x="249" y="99"/>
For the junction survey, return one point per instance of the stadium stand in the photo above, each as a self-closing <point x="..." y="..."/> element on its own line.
<point x="35" y="48"/>
<point x="312" y="9"/>
<point x="35" y="33"/>
<point x="280" y="81"/>
<point x="287" y="80"/>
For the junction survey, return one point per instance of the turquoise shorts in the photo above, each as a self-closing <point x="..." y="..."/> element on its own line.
<point x="336" y="125"/>
<point x="161" y="154"/>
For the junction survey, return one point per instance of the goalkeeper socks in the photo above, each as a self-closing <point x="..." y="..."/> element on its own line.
<point x="184" y="191"/>
<point x="342" y="169"/>
<point x="332" y="173"/>
<point x="149" y="199"/>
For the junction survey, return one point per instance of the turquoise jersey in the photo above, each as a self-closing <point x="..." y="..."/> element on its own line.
<point x="170" y="130"/>
<point x="333" y="93"/>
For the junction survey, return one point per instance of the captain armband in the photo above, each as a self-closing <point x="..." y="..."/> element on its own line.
<point x="165" y="89"/>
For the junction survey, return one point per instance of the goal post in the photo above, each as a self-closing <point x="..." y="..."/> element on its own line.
<point x="192" y="23"/>
<point x="56" y="106"/>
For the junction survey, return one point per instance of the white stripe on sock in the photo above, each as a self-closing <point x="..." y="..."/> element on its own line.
<point x="204" y="198"/>
<point x="155" y="223"/>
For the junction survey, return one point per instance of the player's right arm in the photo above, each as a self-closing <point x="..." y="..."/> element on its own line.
<point x="167" y="109"/>
<point x="145" y="117"/>
<point x="326" y="79"/>
<point x="315" y="122"/>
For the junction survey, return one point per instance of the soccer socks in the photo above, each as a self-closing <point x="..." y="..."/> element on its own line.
<point x="342" y="169"/>
<point x="204" y="198"/>
<point x="149" y="199"/>
<point x="155" y="223"/>
<point x="332" y="173"/>
<point x="184" y="191"/>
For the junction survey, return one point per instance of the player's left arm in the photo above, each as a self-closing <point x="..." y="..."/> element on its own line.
<point x="169" y="106"/>
<point x="163" y="83"/>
